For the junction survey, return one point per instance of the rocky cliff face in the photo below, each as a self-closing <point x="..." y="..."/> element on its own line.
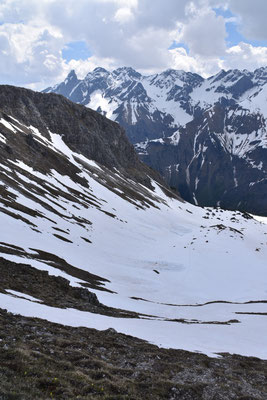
<point x="216" y="159"/>
<point x="83" y="130"/>
<point x="207" y="137"/>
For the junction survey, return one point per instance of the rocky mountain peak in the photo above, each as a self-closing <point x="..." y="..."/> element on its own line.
<point x="100" y="72"/>
<point x="127" y="72"/>
<point x="71" y="75"/>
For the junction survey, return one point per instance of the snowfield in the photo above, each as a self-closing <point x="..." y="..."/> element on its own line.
<point x="197" y="275"/>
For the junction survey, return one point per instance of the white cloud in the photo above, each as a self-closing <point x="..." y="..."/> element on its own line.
<point x="29" y="54"/>
<point x="245" y="56"/>
<point x="161" y="14"/>
<point x="242" y="56"/>
<point x="253" y="17"/>
<point x="122" y="3"/>
<point x="135" y="33"/>
<point x="205" y="33"/>
<point x="197" y="64"/>
<point x="123" y="15"/>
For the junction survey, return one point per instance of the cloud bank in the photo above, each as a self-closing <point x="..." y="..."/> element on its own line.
<point x="149" y="36"/>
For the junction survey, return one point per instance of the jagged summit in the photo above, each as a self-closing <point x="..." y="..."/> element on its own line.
<point x="72" y="75"/>
<point x="100" y="69"/>
<point x="98" y="72"/>
<point x="127" y="71"/>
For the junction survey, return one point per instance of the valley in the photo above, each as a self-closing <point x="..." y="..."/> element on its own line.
<point x="91" y="248"/>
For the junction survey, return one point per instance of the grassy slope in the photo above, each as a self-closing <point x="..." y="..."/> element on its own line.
<point x="42" y="360"/>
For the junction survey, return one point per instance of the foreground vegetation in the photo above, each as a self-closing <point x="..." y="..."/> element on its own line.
<point x="42" y="360"/>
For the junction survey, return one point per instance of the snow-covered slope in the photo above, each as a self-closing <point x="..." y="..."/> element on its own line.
<point x="196" y="277"/>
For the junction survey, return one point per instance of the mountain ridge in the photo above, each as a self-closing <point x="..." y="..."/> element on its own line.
<point x="157" y="111"/>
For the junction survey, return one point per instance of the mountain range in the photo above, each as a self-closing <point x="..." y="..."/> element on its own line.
<point x="206" y="137"/>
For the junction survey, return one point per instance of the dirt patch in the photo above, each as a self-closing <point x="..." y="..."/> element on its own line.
<point x="90" y="280"/>
<point x="53" y="291"/>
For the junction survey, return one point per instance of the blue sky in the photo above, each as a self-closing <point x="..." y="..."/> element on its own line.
<point x="233" y="25"/>
<point x="76" y="51"/>
<point x="41" y="41"/>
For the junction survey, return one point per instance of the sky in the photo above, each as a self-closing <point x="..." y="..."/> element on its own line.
<point x="42" y="40"/>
